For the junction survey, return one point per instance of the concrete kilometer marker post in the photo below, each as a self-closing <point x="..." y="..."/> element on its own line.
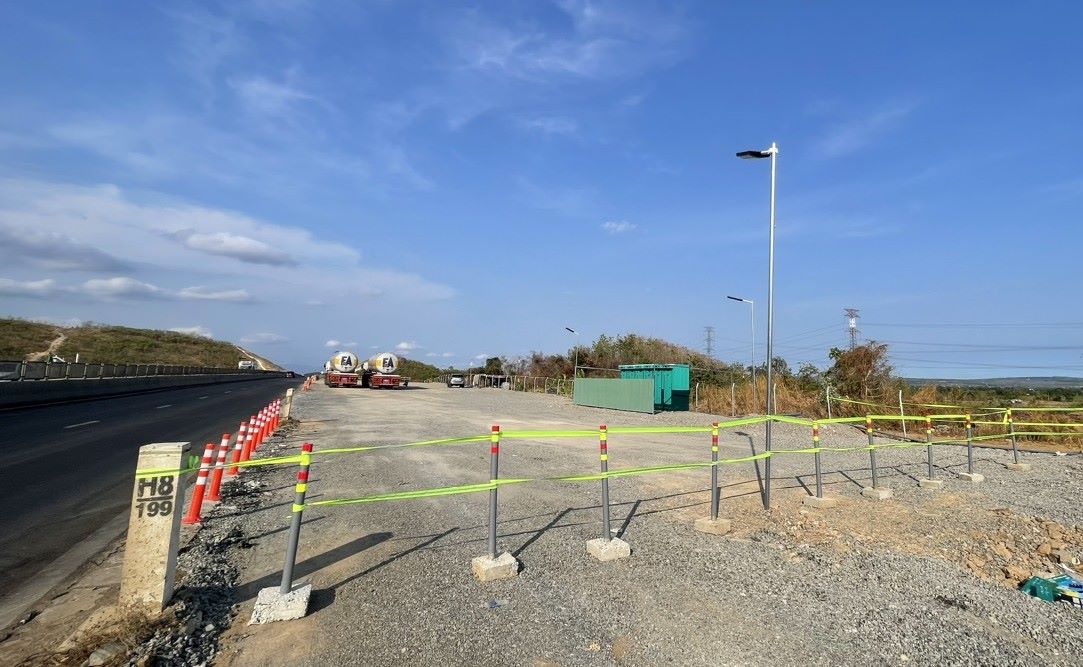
<point x="150" y="551"/>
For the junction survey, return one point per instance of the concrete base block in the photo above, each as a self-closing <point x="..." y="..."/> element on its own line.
<point x="503" y="566"/>
<point x="1018" y="467"/>
<point x="271" y="605"/>
<point x="823" y="503"/>
<point x="607" y="550"/>
<point x="877" y="492"/>
<point x="713" y="526"/>
<point x="931" y="483"/>
<point x="972" y="477"/>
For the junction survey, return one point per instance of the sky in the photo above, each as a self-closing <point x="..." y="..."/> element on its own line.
<point x="453" y="182"/>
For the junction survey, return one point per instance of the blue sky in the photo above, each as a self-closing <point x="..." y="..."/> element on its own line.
<point x="461" y="181"/>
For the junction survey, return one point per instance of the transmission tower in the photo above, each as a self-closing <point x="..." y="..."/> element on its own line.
<point x="851" y="324"/>
<point x="708" y="333"/>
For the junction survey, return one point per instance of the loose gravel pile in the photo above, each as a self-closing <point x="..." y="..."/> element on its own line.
<point x="928" y="577"/>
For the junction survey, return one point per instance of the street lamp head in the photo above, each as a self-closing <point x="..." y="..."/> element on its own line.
<point x="735" y="298"/>
<point x="759" y="155"/>
<point x="570" y="330"/>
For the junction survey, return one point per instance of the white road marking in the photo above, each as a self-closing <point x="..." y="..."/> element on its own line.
<point x="202" y="397"/>
<point x="95" y="421"/>
<point x="167" y="405"/>
<point x="229" y="391"/>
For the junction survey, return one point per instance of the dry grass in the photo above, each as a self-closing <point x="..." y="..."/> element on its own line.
<point x="20" y="339"/>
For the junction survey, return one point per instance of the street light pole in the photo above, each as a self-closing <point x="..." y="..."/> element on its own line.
<point x="772" y="153"/>
<point x="755" y="389"/>
<point x="575" y="371"/>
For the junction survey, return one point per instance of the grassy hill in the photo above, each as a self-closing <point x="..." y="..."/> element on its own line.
<point x="21" y="339"/>
<point x="417" y="370"/>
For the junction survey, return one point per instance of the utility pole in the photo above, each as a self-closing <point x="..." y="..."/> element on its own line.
<point x="708" y="333"/>
<point x="851" y="323"/>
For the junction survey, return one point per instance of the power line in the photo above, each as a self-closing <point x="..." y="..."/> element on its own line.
<point x="981" y="325"/>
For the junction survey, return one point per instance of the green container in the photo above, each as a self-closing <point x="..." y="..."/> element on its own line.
<point x="671" y="383"/>
<point x="634" y="395"/>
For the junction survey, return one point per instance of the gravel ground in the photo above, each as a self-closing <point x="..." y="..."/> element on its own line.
<point x="927" y="577"/>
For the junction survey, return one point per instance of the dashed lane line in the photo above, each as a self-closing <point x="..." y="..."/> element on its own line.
<point x="167" y="405"/>
<point x="93" y="421"/>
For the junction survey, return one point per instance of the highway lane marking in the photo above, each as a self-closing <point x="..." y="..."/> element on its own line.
<point x="94" y="421"/>
<point x="167" y="405"/>
<point x="202" y="397"/>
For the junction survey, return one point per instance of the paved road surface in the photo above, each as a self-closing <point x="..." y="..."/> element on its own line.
<point x="66" y="471"/>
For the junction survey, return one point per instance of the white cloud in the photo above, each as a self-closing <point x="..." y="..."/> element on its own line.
<point x="614" y="227"/>
<point x="550" y="124"/>
<point x="204" y="294"/>
<point x="407" y="346"/>
<point x="270" y="98"/>
<point x="50" y="250"/>
<point x="201" y="331"/>
<point x="333" y="343"/>
<point x="234" y="245"/>
<point x="123" y="287"/>
<point x="265" y="337"/>
<point x="482" y="356"/>
<point x="36" y="289"/>
<point x="212" y="242"/>
<point x="855" y="134"/>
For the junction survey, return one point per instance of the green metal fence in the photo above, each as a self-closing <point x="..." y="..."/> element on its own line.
<point x="636" y="395"/>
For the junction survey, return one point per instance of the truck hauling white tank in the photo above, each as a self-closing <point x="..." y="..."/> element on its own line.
<point x="379" y="372"/>
<point x="341" y="370"/>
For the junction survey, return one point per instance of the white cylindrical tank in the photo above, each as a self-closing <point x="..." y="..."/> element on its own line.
<point x="385" y="362"/>
<point x="344" y="362"/>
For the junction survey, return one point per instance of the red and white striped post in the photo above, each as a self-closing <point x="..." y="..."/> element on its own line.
<point x="261" y="425"/>
<point x="249" y="438"/>
<point x="276" y="412"/>
<point x="201" y="486"/>
<point x="213" y="494"/>
<point x="238" y="449"/>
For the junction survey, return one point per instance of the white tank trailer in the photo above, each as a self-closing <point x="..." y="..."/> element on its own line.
<point x="381" y="372"/>
<point x="341" y="370"/>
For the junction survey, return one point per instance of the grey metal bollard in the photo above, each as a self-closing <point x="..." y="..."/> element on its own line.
<point x="295" y="526"/>
<point x="1011" y="432"/>
<point x="603" y="445"/>
<point x="494" y="463"/>
<point x="872" y="452"/>
<point x="816" y="446"/>
<point x="714" y="471"/>
<point x="929" y="446"/>
<point x="969" y="445"/>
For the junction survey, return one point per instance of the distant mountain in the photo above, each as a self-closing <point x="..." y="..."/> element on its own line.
<point x="1051" y="382"/>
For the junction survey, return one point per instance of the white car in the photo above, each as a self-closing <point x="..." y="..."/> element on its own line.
<point x="456" y="381"/>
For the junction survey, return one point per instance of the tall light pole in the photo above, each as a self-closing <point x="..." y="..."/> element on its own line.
<point x="772" y="153"/>
<point x="755" y="389"/>
<point x="575" y="373"/>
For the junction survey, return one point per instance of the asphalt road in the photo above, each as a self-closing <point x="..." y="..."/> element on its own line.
<point x="66" y="470"/>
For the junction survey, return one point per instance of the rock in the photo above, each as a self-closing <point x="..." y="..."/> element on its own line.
<point x="1045" y="549"/>
<point x="104" y="654"/>
<point x="1002" y="551"/>
<point x="1016" y="573"/>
